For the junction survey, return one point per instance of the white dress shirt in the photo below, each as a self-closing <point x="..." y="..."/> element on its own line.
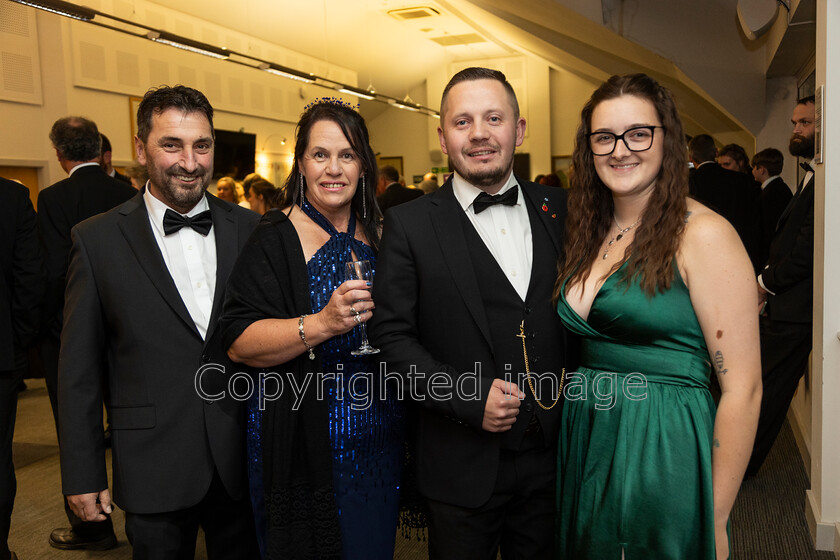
<point x="190" y="258"/>
<point x="505" y="230"/>
<point x="88" y="164"/>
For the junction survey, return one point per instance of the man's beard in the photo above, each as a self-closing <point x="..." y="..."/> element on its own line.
<point x="484" y="177"/>
<point x="176" y="196"/>
<point x="802" y="146"/>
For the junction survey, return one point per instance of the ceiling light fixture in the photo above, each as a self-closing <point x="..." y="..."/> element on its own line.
<point x="187" y="44"/>
<point x="357" y="92"/>
<point x="61" y="8"/>
<point x="278" y="70"/>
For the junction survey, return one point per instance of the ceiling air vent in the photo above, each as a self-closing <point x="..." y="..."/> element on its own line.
<point x="452" y="40"/>
<point x="417" y="12"/>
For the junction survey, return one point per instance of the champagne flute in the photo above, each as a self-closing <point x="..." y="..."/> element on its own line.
<point x="361" y="270"/>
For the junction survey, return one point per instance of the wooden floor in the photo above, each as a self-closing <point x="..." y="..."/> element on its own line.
<point x="768" y="519"/>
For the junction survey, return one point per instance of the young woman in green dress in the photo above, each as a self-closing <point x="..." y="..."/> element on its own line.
<point x="662" y="292"/>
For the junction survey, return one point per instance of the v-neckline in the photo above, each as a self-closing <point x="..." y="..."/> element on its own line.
<point x="594" y="299"/>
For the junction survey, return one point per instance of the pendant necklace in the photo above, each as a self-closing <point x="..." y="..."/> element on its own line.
<point x="621" y="232"/>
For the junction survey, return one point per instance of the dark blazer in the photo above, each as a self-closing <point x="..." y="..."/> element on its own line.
<point x="127" y="333"/>
<point x="87" y="192"/>
<point x="736" y="197"/>
<point x="790" y="265"/>
<point x="774" y="199"/>
<point x="396" y="194"/>
<point x="120" y="177"/>
<point x="21" y="275"/>
<point x="430" y="314"/>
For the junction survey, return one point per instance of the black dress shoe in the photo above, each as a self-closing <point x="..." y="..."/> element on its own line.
<point x="67" y="539"/>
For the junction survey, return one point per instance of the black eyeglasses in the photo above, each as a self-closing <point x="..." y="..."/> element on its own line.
<point x="638" y="139"/>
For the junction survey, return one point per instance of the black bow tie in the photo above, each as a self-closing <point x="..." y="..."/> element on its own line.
<point x="173" y="222"/>
<point x="484" y="201"/>
<point x="806" y="167"/>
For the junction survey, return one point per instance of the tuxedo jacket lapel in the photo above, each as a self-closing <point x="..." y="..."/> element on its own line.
<point x="792" y="203"/>
<point x="137" y="231"/>
<point x="447" y="223"/>
<point x="547" y="217"/>
<point x="227" y="244"/>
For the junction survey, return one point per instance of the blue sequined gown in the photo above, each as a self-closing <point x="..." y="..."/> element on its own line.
<point x="366" y="433"/>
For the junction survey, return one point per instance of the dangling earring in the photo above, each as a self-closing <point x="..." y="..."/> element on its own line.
<point x="364" y="204"/>
<point x="301" y="190"/>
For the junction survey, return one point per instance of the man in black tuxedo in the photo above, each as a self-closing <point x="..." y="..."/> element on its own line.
<point x="105" y="161"/>
<point x="87" y="191"/>
<point x="767" y="165"/>
<point x="732" y="194"/>
<point x="21" y="294"/>
<point x="460" y="271"/>
<point x="390" y="192"/>
<point x="787" y="286"/>
<point x="144" y="292"/>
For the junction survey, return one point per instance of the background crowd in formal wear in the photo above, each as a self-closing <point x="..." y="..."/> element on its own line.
<point x="415" y="358"/>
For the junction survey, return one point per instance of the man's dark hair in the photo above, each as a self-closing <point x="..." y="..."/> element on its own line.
<point x="477" y="73"/>
<point x="701" y="148"/>
<point x="771" y="159"/>
<point x="390" y="173"/>
<point x="737" y="153"/>
<point x="106" y="144"/>
<point x="806" y="100"/>
<point x="76" y="139"/>
<point x="158" y="100"/>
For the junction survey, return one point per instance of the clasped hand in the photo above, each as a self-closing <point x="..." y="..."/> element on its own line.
<point x="339" y="315"/>
<point x="92" y="506"/>
<point x="502" y="406"/>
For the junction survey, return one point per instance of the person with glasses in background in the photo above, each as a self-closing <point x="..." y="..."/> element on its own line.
<point x="661" y="292"/>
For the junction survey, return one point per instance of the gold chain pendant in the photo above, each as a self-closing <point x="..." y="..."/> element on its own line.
<point x="528" y="372"/>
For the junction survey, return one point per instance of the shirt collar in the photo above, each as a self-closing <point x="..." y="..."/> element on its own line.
<point x="88" y="164"/>
<point x="767" y="182"/>
<point x="157" y="208"/>
<point x="465" y="193"/>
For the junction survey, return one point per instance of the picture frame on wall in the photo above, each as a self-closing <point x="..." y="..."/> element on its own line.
<point x="395" y="161"/>
<point x="133" y="105"/>
<point x="561" y="166"/>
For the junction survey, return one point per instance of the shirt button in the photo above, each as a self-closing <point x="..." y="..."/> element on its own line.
<point x="529" y="407"/>
<point x="198" y="284"/>
<point x="189" y="247"/>
<point x="513" y="273"/>
<point x="504" y="231"/>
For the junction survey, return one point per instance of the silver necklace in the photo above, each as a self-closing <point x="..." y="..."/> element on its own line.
<point x="621" y="232"/>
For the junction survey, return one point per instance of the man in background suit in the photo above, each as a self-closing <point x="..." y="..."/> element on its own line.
<point x="459" y="271"/>
<point x="787" y="286"/>
<point x="144" y="292"/>
<point x="21" y="294"/>
<point x="732" y="194"/>
<point x="87" y="191"/>
<point x="105" y="162"/>
<point x="767" y="165"/>
<point x="390" y="191"/>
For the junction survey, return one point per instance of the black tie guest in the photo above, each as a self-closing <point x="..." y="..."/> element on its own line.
<point x="767" y="167"/>
<point x="461" y="270"/>
<point x="21" y="294"/>
<point x="390" y="192"/>
<point x="787" y="286"/>
<point x="105" y="162"/>
<point x="144" y="292"/>
<point x="87" y="191"/>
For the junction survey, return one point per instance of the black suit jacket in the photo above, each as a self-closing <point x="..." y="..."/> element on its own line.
<point x="790" y="265"/>
<point x="127" y="329"/>
<point x="21" y="275"/>
<point x="774" y="199"/>
<point x="120" y="177"/>
<point x="85" y="193"/>
<point x="429" y="314"/>
<point x="395" y="195"/>
<point x="736" y="197"/>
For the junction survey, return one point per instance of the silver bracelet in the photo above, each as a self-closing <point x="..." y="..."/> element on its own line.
<point x="303" y="337"/>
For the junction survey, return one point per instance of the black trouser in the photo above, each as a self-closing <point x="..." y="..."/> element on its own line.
<point x="228" y="524"/>
<point x="9" y="382"/>
<point x="49" y="355"/>
<point x="518" y="519"/>
<point x="785" y="348"/>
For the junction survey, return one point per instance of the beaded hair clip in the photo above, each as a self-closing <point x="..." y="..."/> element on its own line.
<point x="333" y="101"/>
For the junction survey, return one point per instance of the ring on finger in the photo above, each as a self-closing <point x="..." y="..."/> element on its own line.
<point x="353" y="310"/>
<point x="358" y="319"/>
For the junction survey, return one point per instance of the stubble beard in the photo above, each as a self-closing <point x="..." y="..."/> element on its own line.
<point x="483" y="178"/>
<point x="176" y="196"/>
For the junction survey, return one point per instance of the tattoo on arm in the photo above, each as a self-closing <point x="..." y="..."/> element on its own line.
<point x="687" y="214"/>
<point x="716" y="443"/>
<point x="719" y="363"/>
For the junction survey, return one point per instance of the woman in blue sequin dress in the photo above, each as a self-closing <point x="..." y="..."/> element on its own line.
<point x="324" y="442"/>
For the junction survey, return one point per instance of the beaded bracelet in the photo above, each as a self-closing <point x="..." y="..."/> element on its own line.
<point x="303" y="337"/>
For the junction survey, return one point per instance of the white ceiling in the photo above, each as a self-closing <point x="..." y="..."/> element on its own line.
<point x="694" y="46"/>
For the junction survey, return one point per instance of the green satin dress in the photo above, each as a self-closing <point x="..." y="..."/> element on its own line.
<point x="635" y="461"/>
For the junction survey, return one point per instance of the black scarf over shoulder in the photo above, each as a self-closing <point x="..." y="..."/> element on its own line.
<point x="270" y="281"/>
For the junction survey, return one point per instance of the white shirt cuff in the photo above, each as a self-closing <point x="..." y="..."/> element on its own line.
<point x="763" y="287"/>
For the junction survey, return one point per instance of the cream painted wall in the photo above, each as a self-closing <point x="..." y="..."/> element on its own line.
<point x="569" y="92"/>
